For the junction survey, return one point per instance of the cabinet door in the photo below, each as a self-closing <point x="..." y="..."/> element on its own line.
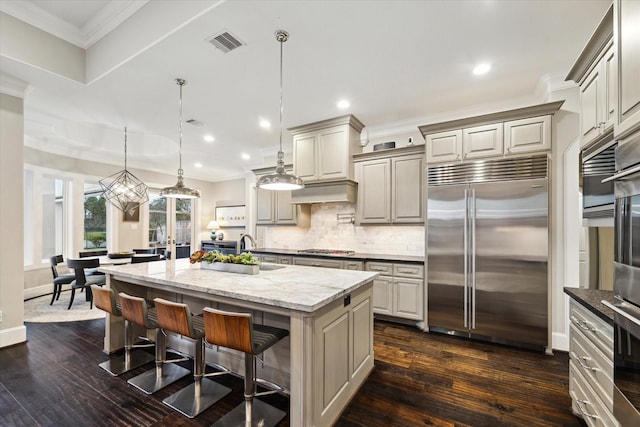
<point x="528" y="135"/>
<point x="285" y="212"/>
<point x="264" y="206"/>
<point x="407" y="298"/>
<point x="407" y="190"/>
<point x="610" y="94"/>
<point x="383" y="295"/>
<point x="444" y="146"/>
<point x="374" y="182"/>
<point x="482" y="141"/>
<point x="304" y="156"/>
<point x="590" y="100"/>
<point x="626" y="17"/>
<point x="332" y="154"/>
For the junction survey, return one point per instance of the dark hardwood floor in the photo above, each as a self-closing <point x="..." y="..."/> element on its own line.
<point x="419" y="379"/>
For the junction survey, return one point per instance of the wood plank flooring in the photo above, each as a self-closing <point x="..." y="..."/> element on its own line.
<point x="420" y="379"/>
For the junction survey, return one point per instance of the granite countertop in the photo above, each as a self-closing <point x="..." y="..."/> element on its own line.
<point x="292" y="287"/>
<point x="590" y="298"/>
<point x="358" y="256"/>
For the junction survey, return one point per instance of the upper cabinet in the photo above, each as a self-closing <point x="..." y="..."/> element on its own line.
<point x="627" y="49"/>
<point x="275" y="207"/>
<point x="322" y="151"/>
<point x="595" y="72"/>
<point x="390" y="186"/>
<point x="514" y="132"/>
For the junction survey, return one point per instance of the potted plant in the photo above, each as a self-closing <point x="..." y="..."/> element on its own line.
<point x="243" y="263"/>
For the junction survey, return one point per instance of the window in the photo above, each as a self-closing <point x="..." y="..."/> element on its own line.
<point x="95" y="217"/>
<point x="183" y="222"/>
<point x="157" y="220"/>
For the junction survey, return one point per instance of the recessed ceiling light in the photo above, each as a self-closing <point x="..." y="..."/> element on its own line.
<point x="209" y="138"/>
<point x="482" y="68"/>
<point x="197" y="164"/>
<point x="343" y="103"/>
<point x="245" y="156"/>
<point x="265" y="124"/>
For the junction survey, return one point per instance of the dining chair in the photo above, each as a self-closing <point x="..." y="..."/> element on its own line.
<point x="145" y="258"/>
<point x="83" y="280"/>
<point x="59" y="279"/>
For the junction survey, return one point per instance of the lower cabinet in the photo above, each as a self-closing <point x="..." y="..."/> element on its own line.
<point x="399" y="289"/>
<point x="591" y="367"/>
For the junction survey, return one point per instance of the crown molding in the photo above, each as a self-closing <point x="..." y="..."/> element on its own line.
<point x="13" y="86"/>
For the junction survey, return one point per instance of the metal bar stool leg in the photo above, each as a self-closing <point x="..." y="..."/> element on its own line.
<point x="165" y="372"/>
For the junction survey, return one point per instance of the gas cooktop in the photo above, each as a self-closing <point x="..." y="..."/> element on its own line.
<point x="325" y="251"/>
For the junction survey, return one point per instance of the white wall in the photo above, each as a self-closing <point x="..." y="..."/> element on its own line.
<point x="12" y="329"/>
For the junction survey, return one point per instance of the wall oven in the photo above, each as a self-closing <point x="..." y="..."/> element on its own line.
<point x="626" y="371"/>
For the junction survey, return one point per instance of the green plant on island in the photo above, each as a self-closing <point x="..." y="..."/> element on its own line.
<point x="245" y="258"/>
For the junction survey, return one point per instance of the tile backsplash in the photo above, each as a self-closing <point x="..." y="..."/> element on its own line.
<point x="326" y="232"/>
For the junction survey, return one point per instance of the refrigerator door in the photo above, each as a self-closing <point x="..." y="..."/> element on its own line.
<point x="509" y="283"/>
<point x="446" y="261"/>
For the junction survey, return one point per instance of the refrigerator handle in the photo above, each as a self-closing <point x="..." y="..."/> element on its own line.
<point x="466" y="257"/>
<point x="473" y="258"/>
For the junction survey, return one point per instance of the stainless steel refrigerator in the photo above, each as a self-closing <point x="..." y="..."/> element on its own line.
<point x="487" y="250"/>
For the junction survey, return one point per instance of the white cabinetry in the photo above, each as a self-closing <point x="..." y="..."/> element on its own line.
<point x="627" y="43"/>
<point x="502" y="134"/>
<point x="390" y="186"/>
<point x="591" y="366"/>
<point x="322" y="151"/>
<point x="399" y="289"/>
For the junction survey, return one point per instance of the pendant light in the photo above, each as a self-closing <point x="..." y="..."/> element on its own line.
<point x="280" y="180"/>
<point x="179" y="191"/>
<point x="123" y="189"/>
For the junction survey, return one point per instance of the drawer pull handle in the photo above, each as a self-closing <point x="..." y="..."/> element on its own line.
<point x="582" y="324"/>
<point x="406" y="271"/>
<point x="584" y="411"/>
<point x="378" y="269"/>
<point x="582" y="361"/>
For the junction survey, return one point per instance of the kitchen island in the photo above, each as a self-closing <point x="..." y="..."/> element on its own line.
<point x="329" y="352"/>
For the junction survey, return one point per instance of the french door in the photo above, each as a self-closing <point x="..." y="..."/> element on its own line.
<point x="171" y="225"/>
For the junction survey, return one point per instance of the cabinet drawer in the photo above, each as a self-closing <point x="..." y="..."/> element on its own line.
<point x="593" y="364"/>
<point x="594" y="328"/>
<point x="285" y="260"/>
<point x="381" y="267"/>
<point x="586" y="402"/>
<point x="353" y="265"/>
<point x="408" y="270"/>
<point x="268" y="258"/>
<point x="315" y="262"/>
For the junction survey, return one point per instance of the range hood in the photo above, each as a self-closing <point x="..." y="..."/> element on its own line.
<point x="342" y="191"/>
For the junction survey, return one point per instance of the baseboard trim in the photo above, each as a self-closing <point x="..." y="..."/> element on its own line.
<point x="38" y="291"/>
<point x="13" y="336"/>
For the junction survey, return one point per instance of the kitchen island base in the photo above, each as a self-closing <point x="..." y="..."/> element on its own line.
<point x="321" y="365"/>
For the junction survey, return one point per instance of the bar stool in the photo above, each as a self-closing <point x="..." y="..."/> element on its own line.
<point x="237" y="331"/>
<point x="166" y="372"/>
<point x="105" y="299"/>
<point x="202" y="393"/>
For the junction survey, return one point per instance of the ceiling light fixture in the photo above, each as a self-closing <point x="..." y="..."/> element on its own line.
<point x="343" y="103"/>
<point x="123" y="189"/>
<point x="264" y="124"/>
<point x="481" y="69"/>
<point x="208" y="138"/>
<point x="280" y="180"/>
<point x="179" y="191"/>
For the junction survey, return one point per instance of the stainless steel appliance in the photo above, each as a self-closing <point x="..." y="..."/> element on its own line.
<point x="487" y="250"/>
<point x="626" y="365"/>
<point x="598" y="164"/>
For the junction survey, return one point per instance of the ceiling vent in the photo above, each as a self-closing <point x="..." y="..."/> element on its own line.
<point x="195" y="122"/>
<point x="225" y="41"/>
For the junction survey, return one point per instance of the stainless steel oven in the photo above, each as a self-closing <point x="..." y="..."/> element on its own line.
<point x="598" y="164"/>
<point x="626" y="370"/>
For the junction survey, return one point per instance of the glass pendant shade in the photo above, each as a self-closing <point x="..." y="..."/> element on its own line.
<point x="179" y="191"/>
<point x="123" y="189"/>
<point x="280" y="180"/>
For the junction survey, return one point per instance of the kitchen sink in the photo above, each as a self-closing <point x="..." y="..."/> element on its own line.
<point x="268" y="267"/>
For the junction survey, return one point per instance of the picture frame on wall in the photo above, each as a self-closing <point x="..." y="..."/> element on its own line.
<point x="132" y="212"/>
<point x="231" y="216"/>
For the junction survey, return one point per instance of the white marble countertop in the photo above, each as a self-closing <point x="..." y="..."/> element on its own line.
<point x="293" y="287"/>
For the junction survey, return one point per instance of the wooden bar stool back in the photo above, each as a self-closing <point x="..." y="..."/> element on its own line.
<point x="105" y="299"/>
<point x="237" y="331"/>
<point x="203" y="392"/>
<point x="137" y="311"/>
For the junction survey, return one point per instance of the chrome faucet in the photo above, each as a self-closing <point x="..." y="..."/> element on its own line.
<point x="241" y="244"/>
